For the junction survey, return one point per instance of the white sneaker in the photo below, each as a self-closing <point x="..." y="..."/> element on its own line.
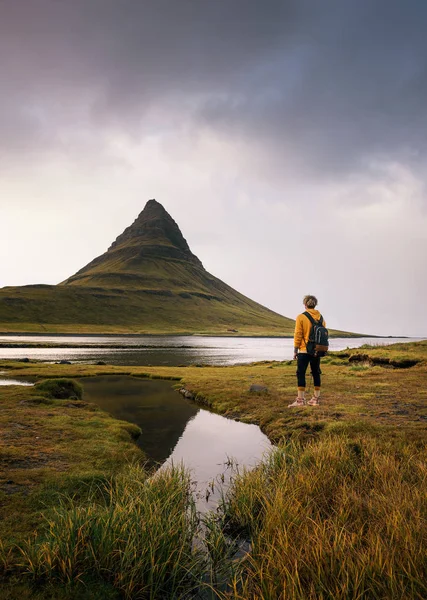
<point x="298" y="402"/>
<point x="314" y="401"/>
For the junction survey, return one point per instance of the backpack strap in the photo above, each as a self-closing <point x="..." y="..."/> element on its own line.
<point x="313" y="323"/>
<point x="309" y="317"/>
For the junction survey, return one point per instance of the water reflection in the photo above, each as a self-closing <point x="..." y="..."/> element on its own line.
<point x="15" y="382"/>
<point x="212" y="447"/>
<point x="164" y="350"/>
<point x="160" y="412"/>
<point x="177" y="430"/>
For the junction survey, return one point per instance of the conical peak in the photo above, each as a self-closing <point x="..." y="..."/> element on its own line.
<point x="154" y="216"/>
<point x="155" y="227"/>
<point x="153" y="209"/>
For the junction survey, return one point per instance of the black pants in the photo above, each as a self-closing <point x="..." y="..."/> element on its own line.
<point x="303" y="361"/>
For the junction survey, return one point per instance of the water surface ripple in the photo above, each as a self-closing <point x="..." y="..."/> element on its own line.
<point x="164" y="350"/>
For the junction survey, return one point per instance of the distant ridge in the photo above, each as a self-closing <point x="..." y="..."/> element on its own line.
<point x="148" y="282"/>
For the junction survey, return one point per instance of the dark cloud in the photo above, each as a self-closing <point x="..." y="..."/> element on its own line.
<point x="350" y="86"/>
<point x="331" y="84"/>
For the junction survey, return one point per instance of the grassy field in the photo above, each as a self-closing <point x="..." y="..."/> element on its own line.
<point x="339" y="511"/>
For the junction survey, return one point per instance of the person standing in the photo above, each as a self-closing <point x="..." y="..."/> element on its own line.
<point x="303" y="327"/>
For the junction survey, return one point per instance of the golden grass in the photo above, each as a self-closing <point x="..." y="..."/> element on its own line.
<point x="335" y="519"/>
<point x="48" y="445"/>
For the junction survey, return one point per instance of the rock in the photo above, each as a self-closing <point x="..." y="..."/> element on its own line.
<point x="64" y="362"/>
<point x="100" y="362"/>
<point x="256" y="387"/>
<point x="26" y="360"/>
<point x="186" y="393"/>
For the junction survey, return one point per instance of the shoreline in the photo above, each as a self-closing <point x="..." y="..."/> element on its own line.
<point x="343" y="335"/>
<point x="38" y="344"/>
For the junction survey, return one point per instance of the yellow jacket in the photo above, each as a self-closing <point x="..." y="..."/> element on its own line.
<point x="303" y="327"/>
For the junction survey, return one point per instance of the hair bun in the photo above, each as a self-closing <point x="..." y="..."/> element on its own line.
<point x="310" y="301"/>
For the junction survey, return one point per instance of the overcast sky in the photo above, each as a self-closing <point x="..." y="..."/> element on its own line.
<point x="286" y="138"/>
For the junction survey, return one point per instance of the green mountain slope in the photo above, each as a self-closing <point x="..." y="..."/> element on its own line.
<point x="148" y="281"/>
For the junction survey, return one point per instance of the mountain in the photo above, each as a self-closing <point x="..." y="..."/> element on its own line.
<point x="151" y="254"/>
<point x="148" y="281"/>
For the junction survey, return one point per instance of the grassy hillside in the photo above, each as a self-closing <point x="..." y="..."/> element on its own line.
<point x="148" y="282"/>
<point x="78" y="309"/>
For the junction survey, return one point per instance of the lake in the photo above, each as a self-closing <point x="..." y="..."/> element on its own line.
<point x="165" y="350"/>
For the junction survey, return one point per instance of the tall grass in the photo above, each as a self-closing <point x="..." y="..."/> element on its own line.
<point x="136" y="533"/>
<point x="6" y="558"/>
<point x="333" y="520"/>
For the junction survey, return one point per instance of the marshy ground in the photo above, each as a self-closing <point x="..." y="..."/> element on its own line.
<point x="340" y="511"/>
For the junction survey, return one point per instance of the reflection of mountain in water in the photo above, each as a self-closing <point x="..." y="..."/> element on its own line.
<point x="154" y="406"/>
<point x="176" y="429"/>
<point x="211" y="441"/>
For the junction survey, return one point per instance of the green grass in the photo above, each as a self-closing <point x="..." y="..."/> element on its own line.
<point x="133" y="533"/>
<point x="393" y="399"/>
<point x="60" y="389"/>
<point x="74" y="309"/>
<point x="48" y="446"/>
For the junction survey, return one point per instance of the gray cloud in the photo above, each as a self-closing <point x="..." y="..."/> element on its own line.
<point x="332" y="84"/>
<point x="351" y="86"/>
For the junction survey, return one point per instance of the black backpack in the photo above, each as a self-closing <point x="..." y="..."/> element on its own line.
<point x="318" y="341"/>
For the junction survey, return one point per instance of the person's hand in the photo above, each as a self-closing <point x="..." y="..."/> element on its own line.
<point x="295" y="355"/>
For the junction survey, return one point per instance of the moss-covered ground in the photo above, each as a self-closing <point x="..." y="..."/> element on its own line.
<point x="355" y="390"/>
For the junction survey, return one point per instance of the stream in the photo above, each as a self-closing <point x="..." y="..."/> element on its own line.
<point x="176" y="430"/>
